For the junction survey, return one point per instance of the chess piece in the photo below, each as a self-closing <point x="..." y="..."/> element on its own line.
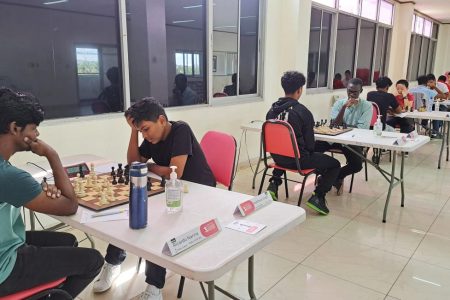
<point x="127" y="180"/>
<point x="317" y="124"/>
<point x="331" y="124"/>
<point x="163" y="181"/>
<point x="92" y="168"/>
<point x="110" y="195"/>
<point x="119" y="170"/>
<point x="44" y="183"/>
<point x="185" y="188"/>
<point x="325" y="122"/>
<point x="80" y="168"/>
<point x="112" y="171"/>
<point x="344" y="126"/>
<point x="114" y="182"/>
<point x="149" y="184"/>
<point x="103" y="199"/>
<point x="121" y="180"/>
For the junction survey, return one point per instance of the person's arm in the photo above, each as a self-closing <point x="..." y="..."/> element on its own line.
<point x="67" y="203"/>
<point x="366" y="117"/>
<point x="339" y="113"/>
<point x="178" y="161"/>
<point x="395" y="107"/>
<point x="133" y="145"/>
<point x="440" y="94"/>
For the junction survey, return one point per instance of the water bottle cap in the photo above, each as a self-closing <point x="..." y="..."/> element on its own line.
<point x="173" y="175"/>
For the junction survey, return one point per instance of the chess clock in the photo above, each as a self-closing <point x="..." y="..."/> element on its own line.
<point x="73" y="170"/>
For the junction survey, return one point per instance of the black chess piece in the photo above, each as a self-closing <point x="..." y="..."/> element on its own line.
<point x="163" y="181"/>
<point x="114" y="181"/>
<point x="119" y="170"/>
<point x="112" y="171"/>
<point x="331" y="124"/>
<point x="127" y="180"/>
<point x="317" y="124"/>
<point x="321" y="122"/>
<point x="121" y="180"/>
<point x="80" y="167"/>
<point x="149" y="185"/>
<point x="344" y="125"/>
<point x="325" y="122"/>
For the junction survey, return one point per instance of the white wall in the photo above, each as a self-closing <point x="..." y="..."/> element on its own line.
<point x="285" y="48"/>
<point x="442" y="62"/>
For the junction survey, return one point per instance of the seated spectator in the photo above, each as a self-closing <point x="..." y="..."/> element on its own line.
<point x="443" y="79"/>
<point x="112" y="94"/>
<point x="230" y="90"/>
<point x="337" y="82"/>
<point x="347" y="77"/>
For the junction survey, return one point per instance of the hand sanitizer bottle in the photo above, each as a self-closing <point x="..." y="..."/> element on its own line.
<point x="378" y="127"/>
<point x="174" y="193"/>
<point x="436" y="105"/>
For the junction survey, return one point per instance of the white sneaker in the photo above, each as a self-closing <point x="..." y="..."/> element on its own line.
<point x="151" y="293"/>
<point x="106" y="278"/>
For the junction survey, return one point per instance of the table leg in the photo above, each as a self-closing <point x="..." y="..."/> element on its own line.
<point x="211" y="294"/>
<point x="259" y="161"/>
<point x="391" y="185"/>
<point x="251" y="277"/>
<point x="442" y="149"/>
<point x="446" y="134"/>
<point x="32" y="220"/>
<point x="401" y="179"/>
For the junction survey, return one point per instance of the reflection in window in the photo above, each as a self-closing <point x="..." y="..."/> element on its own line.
<point x="380" y="53"/>
<point x="345" y="48"/>
<point x="55" y="54"/>
<point x="365" y="51"/>
<point x="187" y="63"/>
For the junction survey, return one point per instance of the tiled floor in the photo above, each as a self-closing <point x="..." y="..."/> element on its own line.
<point x="349" y="254"/>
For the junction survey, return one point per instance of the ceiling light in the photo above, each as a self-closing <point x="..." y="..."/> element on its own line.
<point x="55" y="2"/>
<point x="183" y="21"/>
<point x="193" y="6"/>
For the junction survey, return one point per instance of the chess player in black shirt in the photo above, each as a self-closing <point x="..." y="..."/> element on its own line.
<point x="301" y="119"/>
<point x="386" y="101"/>
<point x="167" y="143"/>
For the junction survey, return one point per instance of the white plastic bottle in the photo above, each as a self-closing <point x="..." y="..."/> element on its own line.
<point x="378" y="126"/>
<point x="436" y="105"/>
<point x="174" y="193"/>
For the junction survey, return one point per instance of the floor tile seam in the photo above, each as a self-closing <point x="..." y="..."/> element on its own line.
<point x="278" y="281"/>
<point x="431" y="264"/>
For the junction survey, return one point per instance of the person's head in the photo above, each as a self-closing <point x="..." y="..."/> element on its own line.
<point x="383" y="83"/>
<point x="113" y="75"/>
<point x="234" y="78"/>
<point x="402" y="86"/>
<point x="348" y="74"/>
<point x="292" y="83"/>
<point x="442" y="78"/>
<point x="422" y="80"/>
<point x="20" y="115"/>
<point x="181" y="82"/>
<point x="338" y="76"/>
<point x="149" y="118"/>
<point x="354" y="88"/>
<point x="431" y="79"/>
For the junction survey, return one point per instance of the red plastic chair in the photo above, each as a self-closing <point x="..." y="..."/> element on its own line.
<point x="41" y="291"/>
<point x="220" y="152"/>
<point x="278" y="138"/>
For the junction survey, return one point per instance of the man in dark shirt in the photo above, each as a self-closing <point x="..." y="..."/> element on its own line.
<point x="168" y="144"/>
<point x="302" y="121"/>
<point x="385" y="101"/>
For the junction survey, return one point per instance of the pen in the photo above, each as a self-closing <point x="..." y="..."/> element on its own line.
<point x="108" y="213"/>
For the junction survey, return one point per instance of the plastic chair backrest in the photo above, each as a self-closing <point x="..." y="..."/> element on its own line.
<point x="375" y="113"/>
<point x="220" y="152"/>
<point x="33" y="291"/>
<point x="279" y="139"/>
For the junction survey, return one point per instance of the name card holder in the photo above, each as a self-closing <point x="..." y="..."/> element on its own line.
<point x="400" y="141"/>
<point x="191" y="238"/>
<point x="248" y="207"/>
<point x="413" y="135"/>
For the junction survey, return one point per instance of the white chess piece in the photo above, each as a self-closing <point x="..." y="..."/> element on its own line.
<point x="103" y="199"/>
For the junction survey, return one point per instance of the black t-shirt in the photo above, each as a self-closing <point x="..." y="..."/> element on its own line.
<point x="384" y="101"/>
<point x="181" y="141"/>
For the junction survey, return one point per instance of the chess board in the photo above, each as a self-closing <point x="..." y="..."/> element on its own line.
<point x="326" y="130"/>
<point x="120" y="191"/>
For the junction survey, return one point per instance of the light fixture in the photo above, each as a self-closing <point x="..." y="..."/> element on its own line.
<point x="183" y="21"/>
<point x="55" y="2"/>
<point x="193" y="6"/>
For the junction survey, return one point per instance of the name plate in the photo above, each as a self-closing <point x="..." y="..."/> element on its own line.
<point x="191" y="238"/>
<point x="248" y="207"/>
<point x="413" y="135"/>
<point x="400" y="141"/>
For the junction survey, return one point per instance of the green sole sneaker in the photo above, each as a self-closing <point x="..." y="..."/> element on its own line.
<point x="313" y="207"/>
<point x="274" y="196"/>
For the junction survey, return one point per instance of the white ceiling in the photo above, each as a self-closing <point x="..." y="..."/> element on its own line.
<point x="437" y="9"/>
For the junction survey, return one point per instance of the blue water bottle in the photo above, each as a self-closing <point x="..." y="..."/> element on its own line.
<point x="138" y="195"/>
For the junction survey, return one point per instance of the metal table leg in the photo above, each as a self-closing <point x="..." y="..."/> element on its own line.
<point x="259" y="161"/>
<point x="391" y="185"/>
<point x="32" y="220"/>
<point x="251" y="277"/>
<point x="402" y="185"/>
<point x="442" y="148"/>
<point x="211" y="286"/>
<point x="447" y="133"/>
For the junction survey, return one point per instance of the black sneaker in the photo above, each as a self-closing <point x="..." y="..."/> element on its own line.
<point x="273" y="190"/>
<point x="339" y="185"/>
<point x="318" y="204"/>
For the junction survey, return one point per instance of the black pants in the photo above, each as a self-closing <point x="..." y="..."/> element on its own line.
<point x="49" y="256"/>
<point x="155" y="274"/>
<point x="404" y="123"/>
<point x="325" y="165"/>
<point x="354" y="162"/>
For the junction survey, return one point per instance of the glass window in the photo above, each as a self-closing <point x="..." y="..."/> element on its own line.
<point x="350" y="6"/>
<point x="419" y="25"/>
<point x="435" y="30"/>
<point x="167" y="51"/>
<point x="248" y="47"/>
<point x="416" y="44"/>
<point x="413" y="23"/>
<point x="380" y="53"/>
<point x="365" y="51"/>
<point x="427" y="27"/>
<point x="345" y="47"/>
<point x="423" y="57"/>
<point x="325" y="49"/>
<point x="386" y="12"/>
<point x="331" y="3"/>
<point x="54" y="54"/>
<point x="314" y="47"/>
<point x="369" y="9"/>
<point x="430" y="59"/>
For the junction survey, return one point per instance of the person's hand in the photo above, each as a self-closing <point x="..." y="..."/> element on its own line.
<point x="351" y="102"/>
<point x="51" y="190"/>
<point x="130" y="122"/>
<point x="39" y="147"/>
<point x="432" y="85"/>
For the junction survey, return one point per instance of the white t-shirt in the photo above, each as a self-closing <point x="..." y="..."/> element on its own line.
<point x="442" y="86"/>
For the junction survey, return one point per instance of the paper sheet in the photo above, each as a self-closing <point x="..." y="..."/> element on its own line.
<point x="246" y="226"/>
